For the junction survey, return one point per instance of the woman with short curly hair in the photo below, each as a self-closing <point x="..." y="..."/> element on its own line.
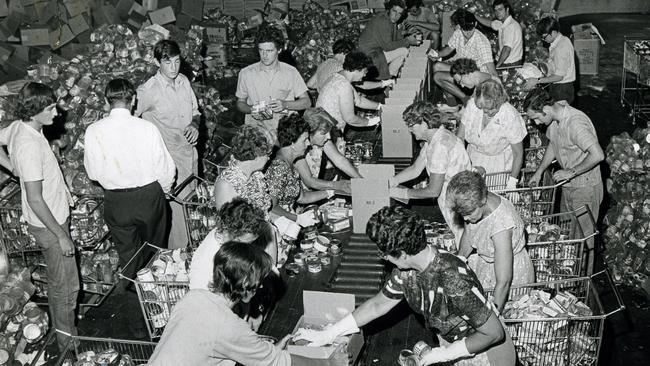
<point x="442" y="155"/>
<point x="494" y="131"/>
<point x="466" y="73"/>
<point x="283" y="179"/>
<point x="495" y="229"/>
<point x="243" y="178"/>
<point x="436" y="284"/>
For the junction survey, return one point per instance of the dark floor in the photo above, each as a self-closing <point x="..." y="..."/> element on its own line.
<point x="625" y="341"/>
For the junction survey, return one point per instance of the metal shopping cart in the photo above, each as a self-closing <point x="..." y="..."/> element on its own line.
<point x="198" y="207"/>
<point x="138" y="351"/>
<point x="533" y="201"/>
<point x="160" y="284"/>
<point x="557" y="244"/>
<point x="564" y="339"/>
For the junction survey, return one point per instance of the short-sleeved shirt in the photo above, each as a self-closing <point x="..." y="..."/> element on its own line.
<point x="203" y="330"/>
<point x="510" y="35"/>
<point x="476" y="48"/>
<point x="255" y="84"/>
<point x="34" y="161"/>
<point x="328" y="98"/>
<point x="325" y="70"/>
<point x="201" y="268"/>
<point x="445" y="154"/>
<point x="570" y="138"/>
<point x="561" y="57"/>
<point x="447" y="293"/>
<point x="426" y="16"/>
<point x="489" y="147"/>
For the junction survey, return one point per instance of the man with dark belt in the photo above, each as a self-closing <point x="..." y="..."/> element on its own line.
<point x="128" y="157"/>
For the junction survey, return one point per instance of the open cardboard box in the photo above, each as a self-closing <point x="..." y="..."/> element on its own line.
<point x="322" y="308"/>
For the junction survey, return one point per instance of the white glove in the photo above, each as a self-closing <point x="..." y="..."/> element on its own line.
<point x="345" y="326"/>
<point x="330" y="193"/>
<point x="306" y="219"/>
<point x="388" y="82"/>
<point x="379" y="106"/>
<point x="433" y="54"/>
<point x="373" y="121"/>
<point x="398" y="192"/>
<point x="452" y="352"/>
<point x="512" y="183"/>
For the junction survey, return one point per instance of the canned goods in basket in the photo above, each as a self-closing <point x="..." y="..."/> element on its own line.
<point x="159" y="314"/>
<point x="306" y="244"/>
<point x="299" y="259"/>
<point x="449" y="243"/>
<point x="310" y="233"/>
<point x="407" y="358"/>
<point x="313" y="264"/>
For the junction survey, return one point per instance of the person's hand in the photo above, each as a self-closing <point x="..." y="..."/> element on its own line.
<point x="563" y="174"/>
<point x="67" y="247"/>
<point x="479" y="170"/>
<point x="387" y="82"/>
<point x="531" y="83"/>
<point x="282" y="344"/>
<point x="398" y="192"/>
<point x="306" y="219"/>
<point x="191" y="134"/>
<point x="373" y="121"/>
<point x="342" y="186"/>
<point x="392" y="182"/>
<point x="534" y="180"/>
<point x="277" y="105"/>
<point x="433" y="55"/>
<point x="316" y="338"/>
<point x="512" y="183"/>
<point x="436" y="355"/>
<point x="413" y="41"/>
<point x="451" y="352"/>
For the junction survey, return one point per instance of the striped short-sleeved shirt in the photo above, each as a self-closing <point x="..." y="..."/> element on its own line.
<point x="447" y="293"/>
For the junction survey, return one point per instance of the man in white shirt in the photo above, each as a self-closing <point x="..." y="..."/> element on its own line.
<point x="561" y="62"/>
<point x="511" y="49"/>
<point x="128" y="157"/>
<point x="45" y="201"/>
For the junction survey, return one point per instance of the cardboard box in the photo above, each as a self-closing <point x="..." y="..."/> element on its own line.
<point x="586" y="43"/>
<point x="35" y="36"/>
<point x="370" y="193"/>
<point x="376" y="4"/>
<point x="45" y="11"/>
<point x="447" y="29"/>
<point x="184" y="21"/>
<point x="78" y="24"/>
<point x="9" y="25"/>
<point x="322" y="308"/>
<point x="4" y="9"/>
<point x="402" y="93"/>
<point x="71" y="50"/>
<point x="106" y="14"/>
<point x="216" y="33"/>
<point x="396" y="138"/>
<point x="193" y="8"/>
<point x="162" y="16"/>
<point x="136" y="20"/>
<point x="123" y="8"/>
<point x="150" y="5"/>
<point x="76" y="7"/>
<point x="5" y="52"/>
<point x="62" y="37"/>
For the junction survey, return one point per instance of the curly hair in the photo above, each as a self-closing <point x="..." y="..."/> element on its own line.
<point x="239" y="269"/>
<point x="356" y="61"/>
<point x="319" y="120"/>
<point x="343" y="45"/>
<point x="490" y="95"/>
<point x="466" y="192"/>
<point x="250" y="142"/>
<point x="33" y="98"/>
<point x="238" y="218"/>
<point x="391" y="3"/>
<point x="422" y="112"/>
<point x="537" y="99"/>
<point x="119" y="90"/>
<point x="464" y="19"/>
<point x="166" y="49"/>
<point x="290" y="128"/>
<point x="463" y="66"/>
<point x="547" y="25"/>
<point x="395" y="229"/>
<point x="414" y="4"/>
<point x="270" y="34"/>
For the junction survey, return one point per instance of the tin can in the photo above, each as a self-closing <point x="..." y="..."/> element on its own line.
<point x="407" y="358"/>
<point x="421" y="348"/>
<point x="292" y="269"/>
<point x="324" y="258"/>
<point x="306" y="244"/>
<point x="299" y="259"/>
<point x="310" y="233"/>
<point x="449" y="243"/>
<point x="159" y="314"/>
<point x="335" y="249"/>
<point x="313" y="264"/>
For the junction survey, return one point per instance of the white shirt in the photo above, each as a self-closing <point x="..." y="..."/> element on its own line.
<point x="33" y="161"/>
<point x="561" y="57"/>
<point x="122" y="151"/>
<point x="510" y="35"/>
<point x="201" y="269"/>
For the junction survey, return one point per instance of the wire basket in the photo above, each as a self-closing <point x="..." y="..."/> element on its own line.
<point x="87" y="226"/>
<point x="534" y="201"/>
<point x="138" y="351"/>
<point x="198" y="208"/>
<point x="159" y="293"/>
<point x="216" y="158"/>
<point x="564" y="340"/>
<point x="13" y="230"/>
<point x="556" y="244"/>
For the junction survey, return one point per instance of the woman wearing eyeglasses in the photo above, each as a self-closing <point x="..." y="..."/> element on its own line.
<point x="494" y="131"/>
<point x="436" y="284"/>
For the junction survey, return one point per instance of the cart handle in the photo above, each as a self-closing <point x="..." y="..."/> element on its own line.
<point x="614" y="289"/>
<point x="179" y="188"/>
<point x="584" y="210"/>
<point x="137" y="253"/>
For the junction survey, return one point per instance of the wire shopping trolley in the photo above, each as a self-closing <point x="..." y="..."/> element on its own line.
<point x="533" y="201"/>
<point x="567" y="328"/>
<point x="198" y="207"/>
<point x="121" y="351"/>
<point x="557" y="244"/>
<point x="160" y="284"/>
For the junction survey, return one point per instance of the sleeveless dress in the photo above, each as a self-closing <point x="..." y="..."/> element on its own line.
<point x="252" y="189"/>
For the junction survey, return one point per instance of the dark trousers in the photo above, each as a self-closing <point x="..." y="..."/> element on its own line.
<point x="563" y="91"/>
<point x="135" y="216"/>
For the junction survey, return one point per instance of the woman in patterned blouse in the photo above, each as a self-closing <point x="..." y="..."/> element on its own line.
<point x="436" y="284"/>
<point x="282" y="177"/>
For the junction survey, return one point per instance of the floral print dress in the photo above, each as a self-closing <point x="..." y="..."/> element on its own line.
<point x="252" y="189"/>
<point x="284" y="184"/>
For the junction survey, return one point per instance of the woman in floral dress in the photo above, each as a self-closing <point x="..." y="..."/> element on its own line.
<point x="494" y="131"/>
<point x="495" y="229"/>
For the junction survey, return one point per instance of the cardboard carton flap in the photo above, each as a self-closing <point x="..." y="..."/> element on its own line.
<point x="376" y="171"/>
<point x="330" y="306"/>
